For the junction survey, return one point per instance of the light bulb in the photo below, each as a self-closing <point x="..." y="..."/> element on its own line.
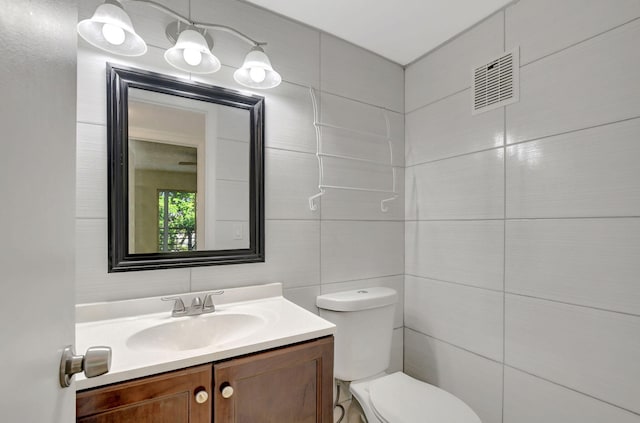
<point x="113" y="34"/>
<point x="257" y="74"/>
<point x="192" y="56"/>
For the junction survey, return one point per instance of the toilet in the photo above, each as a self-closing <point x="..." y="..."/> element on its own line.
<point x="364" y="326"/>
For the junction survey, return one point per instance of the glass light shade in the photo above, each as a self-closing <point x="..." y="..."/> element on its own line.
<point x="184" y="55"/>
<point x="257" y="72"/>
<point x="110" y="29"/>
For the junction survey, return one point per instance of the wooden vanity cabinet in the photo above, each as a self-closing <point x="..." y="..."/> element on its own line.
<point x="287" y="385"/>
<point x="166" y="398"/>
<point x="293" y="384"/>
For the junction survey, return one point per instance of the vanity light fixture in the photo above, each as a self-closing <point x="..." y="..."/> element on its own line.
<point x="110" y="29"/>
<point x="191" y="53"/>
<point x="257" y="72"/>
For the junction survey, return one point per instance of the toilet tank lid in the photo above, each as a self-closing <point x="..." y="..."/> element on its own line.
<point x="357" y="299"/>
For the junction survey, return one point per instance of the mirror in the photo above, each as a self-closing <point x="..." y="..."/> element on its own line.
<point x="186" y="178"/>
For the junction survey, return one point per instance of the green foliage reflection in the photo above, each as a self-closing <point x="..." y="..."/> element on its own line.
<point x="176" y="221"/>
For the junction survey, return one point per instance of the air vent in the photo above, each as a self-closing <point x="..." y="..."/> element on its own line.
<point x="495" y="83"/>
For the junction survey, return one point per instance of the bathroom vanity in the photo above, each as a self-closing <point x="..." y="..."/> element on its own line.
<point x="277" y="367"/>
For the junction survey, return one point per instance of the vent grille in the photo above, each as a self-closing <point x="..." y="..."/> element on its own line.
<point x="495" y="83"/>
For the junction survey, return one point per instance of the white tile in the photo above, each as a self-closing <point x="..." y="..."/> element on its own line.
<point x="593" y="83"/>
<point x="292" y="257"/>
<point x="468" y="252"/>
<point x="394" y="282"/>
<point x="565" y="23"/>
<point x="91" y="85"/>
<point x="226" y="232"/>
<point x="355" y="73"/>
<point x="86" y="8"/>
<point x="396" y="363"/>
<point x="232" y="160"/>
<point x="362" y="205"/>
<point x="465" y="187"/>
<point x="364" y="132"/>
<point x="289" y="118"/>
<point x="360" y="250"/>
<point x="94" y="284"/>
<point x="448" y="69"/>
<point x="357" y="205"/>
<point x="352" y="114"/>
<point x="305" y="297"/>
<point x="91" y="171"/>
<point x="288" y="111"/>
<point x="468" y="317"/>
<point x="232" y="200"/>
<point x="447" y="128"/>
<point x="475" y="380"/>
<point x="587" y="173"/>
<point x="361" y="130"/>
<point x="528" y="399"/>
<point x="588" y="350"/>
<point x="290" y="178"/>
<point x="151" y="23"/>
<point x="224" y="78"/>
<point x="590" y="262"/>
<point x="92" y="77"/>
<point x="292" y="48"/>
<point x="361" y="145"/>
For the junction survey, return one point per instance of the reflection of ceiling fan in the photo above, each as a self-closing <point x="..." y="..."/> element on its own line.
<point x="187" y="163"/>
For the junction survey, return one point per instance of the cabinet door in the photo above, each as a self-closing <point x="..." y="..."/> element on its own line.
<point x="166" y="398"/>
<point x="287" y="385"/>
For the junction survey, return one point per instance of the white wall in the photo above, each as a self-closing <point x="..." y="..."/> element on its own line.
<point x="522" y="227"/>
<point x="348" y="243"/>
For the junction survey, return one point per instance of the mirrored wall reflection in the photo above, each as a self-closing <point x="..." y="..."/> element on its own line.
<point x="188" y="174"/>
<point x="164" y="185"/>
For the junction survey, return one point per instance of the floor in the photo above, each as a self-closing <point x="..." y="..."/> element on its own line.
<point x="352" y="411"/>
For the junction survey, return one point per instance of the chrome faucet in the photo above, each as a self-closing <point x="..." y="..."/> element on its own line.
<point x="198" y="306"/>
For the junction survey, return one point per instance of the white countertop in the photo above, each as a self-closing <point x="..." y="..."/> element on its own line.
<point x="112" y="324"/>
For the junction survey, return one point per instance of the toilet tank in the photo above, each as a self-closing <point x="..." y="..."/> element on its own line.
<point x="364" y="326"/>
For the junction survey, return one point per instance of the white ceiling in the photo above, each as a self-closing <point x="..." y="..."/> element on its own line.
<point x="400" y="30"/>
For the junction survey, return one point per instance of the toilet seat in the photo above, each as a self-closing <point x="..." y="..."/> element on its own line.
<point x="399" y="398"/>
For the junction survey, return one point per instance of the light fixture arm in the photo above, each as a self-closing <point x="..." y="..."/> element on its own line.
<point x="164" y="9"/>
<point x="228" y="29"/>
<point x="202" y="25"/>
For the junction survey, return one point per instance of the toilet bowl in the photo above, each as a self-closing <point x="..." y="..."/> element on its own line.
<point x="364" y="326"/>
<point x="399" y="398"/>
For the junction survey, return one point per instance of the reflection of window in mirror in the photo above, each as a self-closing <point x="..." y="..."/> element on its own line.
<point x="157" y="167"/>
<point x="176" y="221"/>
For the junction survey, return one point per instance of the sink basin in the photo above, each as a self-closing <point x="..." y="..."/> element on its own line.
<point x="195" y="332"/>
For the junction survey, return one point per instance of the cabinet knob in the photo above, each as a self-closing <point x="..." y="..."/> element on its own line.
<point x="226" y="390"/>
<point x="202" y="396"/>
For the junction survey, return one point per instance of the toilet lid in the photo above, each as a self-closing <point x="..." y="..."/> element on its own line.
<point x="399" y="398"/>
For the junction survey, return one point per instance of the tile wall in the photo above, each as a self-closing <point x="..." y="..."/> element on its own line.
<point x="348" y="243"/>
<point x="522" y="232"/>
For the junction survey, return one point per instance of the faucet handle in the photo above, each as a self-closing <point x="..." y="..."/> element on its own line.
<point x="178" y="306"/>
<point x="208" y="301"/>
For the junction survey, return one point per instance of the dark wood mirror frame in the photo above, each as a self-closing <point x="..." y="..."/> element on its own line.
<point x="119" y="81"/>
